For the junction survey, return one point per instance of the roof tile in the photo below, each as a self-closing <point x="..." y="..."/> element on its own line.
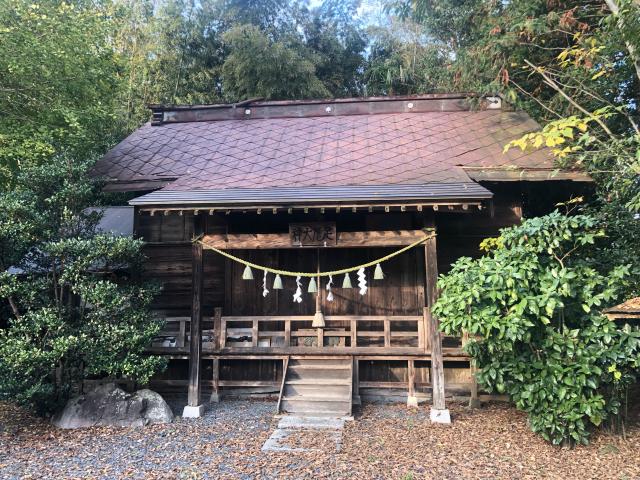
<point x="394" y="148"/>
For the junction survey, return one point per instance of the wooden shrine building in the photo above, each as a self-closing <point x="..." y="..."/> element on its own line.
<point x="321" y="186"/>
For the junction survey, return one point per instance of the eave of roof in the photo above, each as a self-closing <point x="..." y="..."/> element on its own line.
<point x="516" y="174"/>
<point x="631" y="306"/>
<point x="333" y="195"/>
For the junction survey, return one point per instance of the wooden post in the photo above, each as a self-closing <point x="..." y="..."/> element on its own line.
<point x="439" y="413"/>
<point x="217" y="328"/>
<point x="182" y="334"/>
<point x="287" y="333"/>
<point x="387" y="333"/>
<point x="412" y="400"/>
<point x="254" y="333"/>
<point x="215" y="394"/>
<point x="354" y="333"/>
<point x="194" y="408"/>
<point x="355" y="394"/>
<point x="474" y="401"/>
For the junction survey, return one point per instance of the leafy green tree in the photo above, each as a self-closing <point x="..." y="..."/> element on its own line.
<point x="534" y="301"/>
<point x="402" y="61"/>
<point x="76" y="304"/>
<point x="259" y="67"/>
<point x="338" y="39"/>
<point x="59" y="82"/>
<point x="493" y="45"/>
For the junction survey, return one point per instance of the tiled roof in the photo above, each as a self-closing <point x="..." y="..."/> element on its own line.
<point x="341" y="150"/>
<point x="631" y="306"/>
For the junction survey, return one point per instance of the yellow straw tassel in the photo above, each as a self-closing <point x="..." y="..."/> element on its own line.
<point x="313" y="288"/>
<point x="277" y="283"/>
<point x="346" y="283"/>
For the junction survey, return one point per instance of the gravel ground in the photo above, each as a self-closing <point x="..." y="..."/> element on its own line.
<point x="385" y="441"/>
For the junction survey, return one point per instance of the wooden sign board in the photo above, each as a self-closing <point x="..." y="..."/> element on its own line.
<point x="313" y="234"/>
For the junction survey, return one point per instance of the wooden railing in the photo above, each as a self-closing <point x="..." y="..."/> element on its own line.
<point x="362" y="334"/>
<point x="342" y="332"/>
<point x="175" y="335"/>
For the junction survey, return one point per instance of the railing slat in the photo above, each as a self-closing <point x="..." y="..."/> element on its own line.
<point x="287" y="333"/>
<point x="254" y="333"/>
<point x="354" y="333"/>
<point x="387" y="334"/>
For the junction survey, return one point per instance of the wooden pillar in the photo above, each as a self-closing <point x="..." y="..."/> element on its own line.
<point x="412" y="400"/>
<point x="355" y="394"/>
<point x="438" y="413"/>
<point x="217" y="329"/>
<point x="194" y="408"/>
<point x="215" y="394"/>
<point x="474" y="401"/>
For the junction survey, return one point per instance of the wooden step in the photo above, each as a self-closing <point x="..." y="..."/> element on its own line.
<point x="338" y="408"/>
<point x="317" y="386"/>
<point x="305" y="390"/>
<point x="317" y="397"/>
<point x="315" y="366"/>
<point x="318" y="381"/>
<point x="295" y="373"/>
<point x="321" y="362"/>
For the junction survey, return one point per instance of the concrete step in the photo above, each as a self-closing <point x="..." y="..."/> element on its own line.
<point x="318" y="423"/>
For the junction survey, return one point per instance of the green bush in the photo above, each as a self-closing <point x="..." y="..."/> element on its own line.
<point x="534" y="302"/>
<point x="75" y="303"/>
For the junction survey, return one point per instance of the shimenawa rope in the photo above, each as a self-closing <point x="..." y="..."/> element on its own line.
<point x="314" y="274"/>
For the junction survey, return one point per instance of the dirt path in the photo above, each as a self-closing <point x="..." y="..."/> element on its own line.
<point x="384" y="442"/>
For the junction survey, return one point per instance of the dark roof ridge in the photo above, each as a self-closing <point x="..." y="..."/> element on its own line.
<point x="259" y="108"/>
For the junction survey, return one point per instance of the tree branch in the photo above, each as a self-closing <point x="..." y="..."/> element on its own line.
<point x="552" y="83"/>
<point x="14" y="307"/>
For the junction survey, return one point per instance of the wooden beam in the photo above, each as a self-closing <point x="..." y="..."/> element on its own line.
<point x="435" y="338"/>
<point x="195" y="344"/>
<point x="252" y="241"/>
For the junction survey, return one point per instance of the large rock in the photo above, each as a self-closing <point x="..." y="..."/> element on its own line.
<point x="156" y="409"/>
<point x="108" y="405"/>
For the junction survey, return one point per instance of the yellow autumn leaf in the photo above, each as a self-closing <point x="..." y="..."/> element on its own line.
<point x="537" y="143"/>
